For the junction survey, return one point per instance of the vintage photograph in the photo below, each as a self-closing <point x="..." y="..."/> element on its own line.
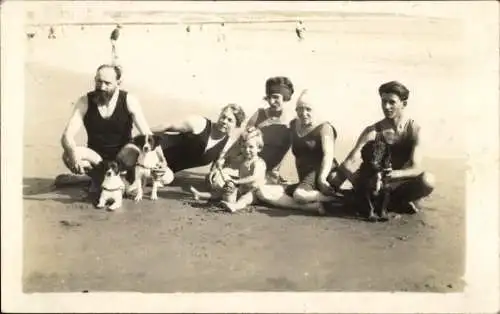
<point x="236" y="148"/>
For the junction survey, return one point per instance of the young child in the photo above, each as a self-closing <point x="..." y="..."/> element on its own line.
<point x="238" y="192"/>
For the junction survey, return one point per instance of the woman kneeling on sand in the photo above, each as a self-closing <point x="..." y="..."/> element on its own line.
<point x="313" y="144"/>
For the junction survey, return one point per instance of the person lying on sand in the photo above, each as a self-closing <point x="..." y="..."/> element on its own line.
<point x="407" y="181"/>
<point x="107" y="113"/>
<point x="197" y="141"/>
<point x="273" y="122"/>
<point x="313" y="145"/>
<point x="238" y="190"/>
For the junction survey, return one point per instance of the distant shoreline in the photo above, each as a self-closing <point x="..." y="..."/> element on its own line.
<point x="196" y="18"/>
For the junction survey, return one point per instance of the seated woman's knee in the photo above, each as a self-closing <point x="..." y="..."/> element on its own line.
<point x="167" y="177"/>
<point x="270" y="193"/>
<point x="301" y="195"/>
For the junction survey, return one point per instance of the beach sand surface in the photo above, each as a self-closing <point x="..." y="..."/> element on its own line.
<point x="175" y="244"/>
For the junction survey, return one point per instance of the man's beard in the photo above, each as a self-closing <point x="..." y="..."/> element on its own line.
<point x="103" y="97"/>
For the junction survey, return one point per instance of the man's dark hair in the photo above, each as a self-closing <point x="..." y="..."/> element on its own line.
<point x="116" y="68"/>
<point x="394" y="87"/>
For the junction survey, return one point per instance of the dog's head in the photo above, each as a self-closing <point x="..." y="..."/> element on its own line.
<point x="376" y="155"/>
<point x="147" y="143"/>
<point x="111" y="168"/>
<point x="376" y="160"/>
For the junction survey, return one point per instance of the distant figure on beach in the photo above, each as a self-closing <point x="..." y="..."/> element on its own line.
<point x="201" y="27"/>
<point x="221" y="34"/>
<point x="108" y="114"/>
<point x="406" y="180"/>
<point x="300" y="30"/>
<point x="115" y="34"/>
<point x="188" y="29"/>
<point x="52" y="33"/>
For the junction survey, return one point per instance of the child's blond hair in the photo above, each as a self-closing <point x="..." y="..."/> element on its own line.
<point x="253" y="134"/>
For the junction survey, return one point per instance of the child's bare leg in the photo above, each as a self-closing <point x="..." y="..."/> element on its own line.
<point x="198" y="195"/>
<point x="244" y="201"/>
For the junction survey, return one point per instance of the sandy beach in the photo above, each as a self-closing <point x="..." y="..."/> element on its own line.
<point x="176" y="244"/>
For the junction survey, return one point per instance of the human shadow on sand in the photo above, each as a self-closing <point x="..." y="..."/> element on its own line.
<point x="185" y="179"/>
<point x="343" y="211"/>
<point x="42" y="189"/>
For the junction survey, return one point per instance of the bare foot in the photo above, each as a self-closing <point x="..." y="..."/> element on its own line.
<point x="321" y="209"/>
<point x="230" y="206"/>
<point x="196" y="193"/>
<point x="413" y="208"/>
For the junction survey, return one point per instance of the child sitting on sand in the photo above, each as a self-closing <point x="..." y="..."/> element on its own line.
<point x="251" y="175"/>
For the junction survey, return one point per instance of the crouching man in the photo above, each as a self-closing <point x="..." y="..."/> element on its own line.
<point x="406" y="180"/>
<point x="108" y="114"/>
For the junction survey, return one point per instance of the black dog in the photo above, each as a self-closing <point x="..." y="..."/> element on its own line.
<point x="374" y="192"/>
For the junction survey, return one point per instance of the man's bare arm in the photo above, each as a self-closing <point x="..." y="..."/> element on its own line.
<point x="348" y="167"/>
<point x="327" y="143"/>
<point x="138" y="117"/>
<point x="194" y="124"/>
<point x="414" y="169"/>
<point x="75" y="123"/>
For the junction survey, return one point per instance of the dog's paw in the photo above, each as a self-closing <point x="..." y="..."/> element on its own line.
<point x="154" y="197"/>
<point x="372" y="218"/>
<point x="321" y="210"/>
<point x="100" y="204"/>
<point x="138" y="197"/>
<point x="115" y="209"/>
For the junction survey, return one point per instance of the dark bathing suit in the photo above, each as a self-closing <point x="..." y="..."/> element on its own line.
<point x="276" y="138"/>
<point x="308" y="154"/>
<point x="115" y="34"/>
<point x="107" y="136"/>
<point x="187" y="150"/>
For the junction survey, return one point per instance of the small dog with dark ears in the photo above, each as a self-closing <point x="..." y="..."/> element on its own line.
<point x="112" y="187"/>
<point x="376" y="165"/>
<point x="151" y="164"/>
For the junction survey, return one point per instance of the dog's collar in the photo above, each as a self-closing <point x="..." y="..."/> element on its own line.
<point x="113" y="190"/>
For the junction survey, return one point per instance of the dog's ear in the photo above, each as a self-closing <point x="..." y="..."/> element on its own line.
<point x="114" y="165"/>
<point x="102" y="164"/>
<point x="157" y="139"/>
<point x="138" y="140"/>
